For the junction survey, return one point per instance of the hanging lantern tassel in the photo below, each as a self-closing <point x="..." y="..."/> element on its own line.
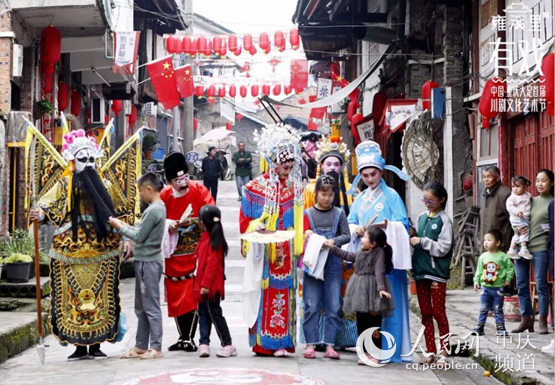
<point x="238" y="117"/>
<point x="132" y="118"/>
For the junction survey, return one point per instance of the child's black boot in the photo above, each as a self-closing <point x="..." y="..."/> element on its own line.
<point x="501" y="331"/>
<point x="479" y="329"/>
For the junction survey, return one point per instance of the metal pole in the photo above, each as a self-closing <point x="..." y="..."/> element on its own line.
<point x="175" y="131"/>
<point x="188" y="110"/>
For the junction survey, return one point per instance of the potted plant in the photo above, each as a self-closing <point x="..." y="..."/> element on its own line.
<point x="149" y="143"/>
<point x="18" y="267"/>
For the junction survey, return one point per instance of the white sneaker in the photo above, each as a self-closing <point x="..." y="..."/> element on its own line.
<point x="524" y="253"/>
<point x="549" y="349"/>
<point x="512" y="254"/>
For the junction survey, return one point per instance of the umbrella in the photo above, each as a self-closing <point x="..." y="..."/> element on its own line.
<point x="216" y="137"/>
<point x="40" y="347"/>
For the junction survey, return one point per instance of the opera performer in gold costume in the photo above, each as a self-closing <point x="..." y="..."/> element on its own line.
<point x="85" y="250"/>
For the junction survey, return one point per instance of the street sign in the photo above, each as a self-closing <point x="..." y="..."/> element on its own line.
<point x="191" y="157"/>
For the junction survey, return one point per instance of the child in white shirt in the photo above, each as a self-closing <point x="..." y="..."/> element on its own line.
<point x="518" y="206"/>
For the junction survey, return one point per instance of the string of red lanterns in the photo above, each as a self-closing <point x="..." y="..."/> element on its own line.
<point x="222" y="44"/>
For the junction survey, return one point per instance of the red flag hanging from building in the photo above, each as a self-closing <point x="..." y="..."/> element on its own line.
<point x="316" y="118"/>
<point x="126" y="45"/>
<point x="162" y="76"/>
<point x="299" y="74"/>
<point x="184" y="79"/>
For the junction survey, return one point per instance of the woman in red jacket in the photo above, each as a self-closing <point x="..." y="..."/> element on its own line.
<point x="209" y="282"/>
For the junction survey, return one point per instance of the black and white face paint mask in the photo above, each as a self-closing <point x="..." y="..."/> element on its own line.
<point x="84" y="158"/>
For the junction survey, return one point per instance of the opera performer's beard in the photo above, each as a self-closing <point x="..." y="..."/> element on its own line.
<point x="89" y="189"/>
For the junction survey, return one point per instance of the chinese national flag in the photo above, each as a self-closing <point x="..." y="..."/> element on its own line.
<point x="299" y="74"/>
<point x="162" y="76"/>
<point x="184" y="79"/>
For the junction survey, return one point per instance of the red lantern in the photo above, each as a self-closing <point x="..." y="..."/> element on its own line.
<point x="254" y="90"/>
<point x="287" y="89"/>
<point x="494" y="90"/>
<point x="335" y="70"/>
<point x="237" y="52"/>
<point x="294" y="38"/>
<point x="171" y="44"/>
<point x="194" y="47"/>
<point x="208" y="48"/>
<point x="199" y="91"/>
<point x="232" y="91"/>
<point x="201" y="44"/>
<point x="277" y="89"/>
<point x="252" y="51"/>
<point x="50" y="45"/>
<point x="378" y="105"/>
<point x="178" y="45"/>
<point x="238" y="117"/>
<point x="75" y="103"/>
<point x="279" y="41"/>
<point x="264" y="42"/>
<point x="265" y="89"/>
<point x="549" y="81"/>
<point x="229" y="126"/>
<point x="211" y="91"/>
<point x="117" y="106"/>
<point x="247" y="42"/>
<point x="302" y="101"/>
<point x="427" y="94"/>
<point x="221" y="92"/>
<point x="232" y="43"/>
<point x="243" y="91"/>
<point x="195" y="124"/>
<point x="48" y="76"/>
<point x="63" y="96"/>
<point x="356" y="119"/>
<point x="217" y="44"/>
<point x="186" y="45"/>
<point x="132" y="118"/>
<point x="223" y="48"/>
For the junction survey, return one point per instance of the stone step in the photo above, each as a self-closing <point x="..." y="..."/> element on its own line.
<point x="18" y="332"/>
<point x="24" y="290"/>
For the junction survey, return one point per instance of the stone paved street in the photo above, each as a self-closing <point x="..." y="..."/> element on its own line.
<point x="188" y="368"/>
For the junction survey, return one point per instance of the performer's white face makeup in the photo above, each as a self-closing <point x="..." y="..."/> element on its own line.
<point x="371" y="177"/>
<point x="180" y="185"/>
<point x="284" y="169"/>
<point x="331" y="163"/>
<point x="84" y="158"/>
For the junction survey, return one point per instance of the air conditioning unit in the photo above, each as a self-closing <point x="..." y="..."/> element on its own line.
<point x="150" y="109"/>
<point x="97" y="110"/>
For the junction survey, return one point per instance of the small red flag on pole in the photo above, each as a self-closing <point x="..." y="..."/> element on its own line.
<point x="162" y="76"/>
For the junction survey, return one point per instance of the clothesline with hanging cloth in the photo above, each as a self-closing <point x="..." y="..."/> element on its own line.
<point x="341" y="94"/>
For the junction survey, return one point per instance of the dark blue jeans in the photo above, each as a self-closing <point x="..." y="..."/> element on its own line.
<point x="522" y="271"/>
<point x="240" y="181"/>
<point x="327" y="293"/>
<point x="491" y="299"/>
<point x="210" y="313"/>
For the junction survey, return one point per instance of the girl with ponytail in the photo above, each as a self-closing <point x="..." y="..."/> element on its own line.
<point x="209" y="282"/>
